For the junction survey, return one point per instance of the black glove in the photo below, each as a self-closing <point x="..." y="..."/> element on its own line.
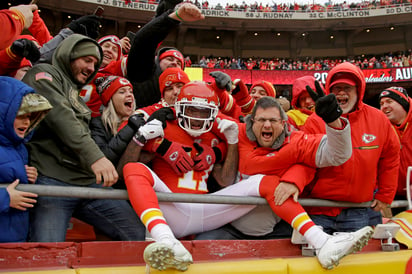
<point x="136" y="121"/>
<point x="88" y="25"/>
<point x="222" y="80"/>
<point x="162" y="115"/>
<point x="165" y="5"/>
<point x="326" y="107"/>
<point x="26" y="48"/>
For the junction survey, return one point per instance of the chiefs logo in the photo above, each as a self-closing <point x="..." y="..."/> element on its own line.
<point x="384" y="93"/>
<point x="368" y="138"/>
<point x="168" y="83"/>
<point x="174" y="156"/>
<point x="209" y="159"/>
<point x="124" y="81"/>
<point x="177" y="55"/>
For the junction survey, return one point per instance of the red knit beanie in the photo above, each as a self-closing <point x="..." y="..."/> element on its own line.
<point x="107" y="86"/>
<point x="270" y="89"/>
<point x="174" y="53"/>
<point x="115" y="40"/>
<point x="170" y="76"/>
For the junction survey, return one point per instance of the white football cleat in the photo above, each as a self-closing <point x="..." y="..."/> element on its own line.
<point x="167" y="254"/>
<point x="341" y="244"/>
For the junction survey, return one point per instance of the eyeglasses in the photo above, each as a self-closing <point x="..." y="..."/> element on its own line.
<point x="344" y="88"/>
<point x="272" y="121"/>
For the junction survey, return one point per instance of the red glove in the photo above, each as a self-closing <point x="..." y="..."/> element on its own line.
<point x="176" y="155"/>
<point x="205" y="157"/>
<point x="242" y="97"/>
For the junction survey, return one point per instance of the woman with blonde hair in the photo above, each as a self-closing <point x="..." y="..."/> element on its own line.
<point x="118" y="106"/>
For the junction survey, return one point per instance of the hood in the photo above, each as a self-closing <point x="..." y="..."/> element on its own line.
<point x="299" y="87"/>
<point x="12" y="92"/>
<point x="61" y="56"/>
<point x="347" y="67"/>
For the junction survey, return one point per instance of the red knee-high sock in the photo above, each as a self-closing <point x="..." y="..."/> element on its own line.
<point x="139" y="182"/>
<point x="290" y="211"/>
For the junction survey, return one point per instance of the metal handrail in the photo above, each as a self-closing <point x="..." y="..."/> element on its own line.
<point x="408" y="187"/>
<point x="120" y="194"/>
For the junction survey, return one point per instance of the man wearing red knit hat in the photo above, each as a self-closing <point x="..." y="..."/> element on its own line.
<point x="170" y="82"/>
<point x="395" y="104"/>
<point x="262" y="88"/>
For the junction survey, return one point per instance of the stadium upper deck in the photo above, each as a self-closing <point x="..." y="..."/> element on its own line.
<point x="261" y="34"/>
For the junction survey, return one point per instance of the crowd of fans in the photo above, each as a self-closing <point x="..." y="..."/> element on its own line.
<point x="293" y="6"/>
<point x="388" y="60"/>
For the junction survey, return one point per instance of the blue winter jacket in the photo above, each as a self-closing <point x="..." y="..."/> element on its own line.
<point x="14" y="223"/>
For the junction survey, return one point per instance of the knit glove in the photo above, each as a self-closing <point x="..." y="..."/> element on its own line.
<point x="88" y="25"/>
<point x="150" y="130"/>
<point x="176" y="155"/>
<point x="222" y="80"/>
<point x="136" y="121"/>
<point x="229" y="129"/>
<point x="205" y="157"/>
<point x="25" y="48"/>
<point x="326" y="107"/>
<point x="162" y="115"/>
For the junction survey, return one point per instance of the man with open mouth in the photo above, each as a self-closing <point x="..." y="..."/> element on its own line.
<point x="371" y="174"/>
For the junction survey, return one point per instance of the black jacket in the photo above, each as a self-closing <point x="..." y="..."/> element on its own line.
<point x="143" y="69"/>
<point x="111" y="145"/>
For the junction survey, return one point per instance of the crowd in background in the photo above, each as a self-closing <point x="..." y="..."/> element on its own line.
<point x="293" y="6"/>
<point x="388" y="60"/>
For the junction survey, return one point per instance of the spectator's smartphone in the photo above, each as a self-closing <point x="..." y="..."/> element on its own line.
<point x="130" y="35"/>
<point x="99" y="11"/>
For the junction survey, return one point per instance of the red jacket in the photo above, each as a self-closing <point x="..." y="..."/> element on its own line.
<point x="293" y="162"/>
<point x="9" y="62"/>
<point x="375" y="158"/>
<point x="12" y="24"/>
<point x="404" y="132"/>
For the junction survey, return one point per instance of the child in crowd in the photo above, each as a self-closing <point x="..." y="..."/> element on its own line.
<point x="21" y="109"/>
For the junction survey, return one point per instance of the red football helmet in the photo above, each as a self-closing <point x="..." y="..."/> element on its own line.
<point x="196" y="107"/>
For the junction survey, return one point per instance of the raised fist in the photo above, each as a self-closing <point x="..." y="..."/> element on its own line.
<point x="326" y="107"/>
<point x="88" y="25"/>
<point x="26" y="48"/>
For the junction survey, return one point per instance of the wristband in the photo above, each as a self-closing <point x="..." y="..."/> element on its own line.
<point x="139" y="140"/>
<point x="180" y="18"/>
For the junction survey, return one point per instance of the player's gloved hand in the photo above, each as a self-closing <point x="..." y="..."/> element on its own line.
<point x="205" y="157"/>
<point x="136" y="121"/>
<point x="88" y="25"/>
<point x="176" y="155"/>
<point x="25" y="48"/>
<point x="150" y="130"/>
<point x="326" y="107"/>
<point x="230" y="129"/>
<point x="222" y="80"/>
<point x="162" y="115"/>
